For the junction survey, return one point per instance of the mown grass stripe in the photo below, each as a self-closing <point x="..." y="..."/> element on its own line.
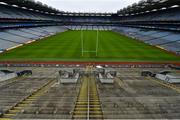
<point x="66" y="46"/>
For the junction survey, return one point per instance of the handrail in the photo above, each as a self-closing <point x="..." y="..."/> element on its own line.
<point x="88" y="101"/>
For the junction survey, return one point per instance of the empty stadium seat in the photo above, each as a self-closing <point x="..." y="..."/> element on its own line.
<point x="167" y="40"/>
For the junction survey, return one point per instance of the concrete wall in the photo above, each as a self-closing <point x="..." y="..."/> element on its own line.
<point x="70" y="80"/>
<point x="168" y="78"/>
<point x="8" y="76"/>
<point x="106" y="80"/>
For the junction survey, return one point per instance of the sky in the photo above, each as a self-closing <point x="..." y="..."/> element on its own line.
<point x="88" y="5"/>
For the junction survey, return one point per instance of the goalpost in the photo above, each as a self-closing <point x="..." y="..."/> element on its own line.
<point x="88" y="51"/>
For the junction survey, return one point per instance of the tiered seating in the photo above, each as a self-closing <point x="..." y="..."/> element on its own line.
<point x="175" y="46"/>
<point x="57" y="103"/>
<point x="167" y="15"/>
<point x="23" y="18"/>
<point x="89" y="27"/>
<point x="16" y="90"/>
<point x="53" y="29"/>
<point x="13" y="12"/>
<point x="14" y="37"/>
<point x="6" y="44"/>
<point x="19" y="32"/>
<point x="167" y="40"/>
<point x="136" y="97"/>
<point x="154" y="14"/>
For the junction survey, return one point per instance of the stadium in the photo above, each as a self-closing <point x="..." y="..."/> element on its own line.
<point x="89" y="65"/>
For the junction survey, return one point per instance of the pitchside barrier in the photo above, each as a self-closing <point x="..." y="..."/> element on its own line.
<point x="83" y="50"/>
<point x="83" y="64"/>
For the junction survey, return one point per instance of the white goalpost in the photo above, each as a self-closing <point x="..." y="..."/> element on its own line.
<point x="83" y="50"/>
<point x="82" y="43"/>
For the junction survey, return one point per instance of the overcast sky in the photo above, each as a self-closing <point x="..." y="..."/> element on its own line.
<point x="88" y="5"/>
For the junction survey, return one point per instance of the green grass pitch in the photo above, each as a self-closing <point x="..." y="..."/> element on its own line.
<point x="66" y="46"/>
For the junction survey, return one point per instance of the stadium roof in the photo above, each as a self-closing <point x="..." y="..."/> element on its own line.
<point x="43" y="8"/>
<point x="148" y="5"/>
<point x="137" y="8"/>
<point x="32" y="5"/>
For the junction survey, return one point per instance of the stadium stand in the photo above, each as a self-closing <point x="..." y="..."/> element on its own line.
<point x="20" y="89"/>
<point x="155" y="22"/>
<point x="57" y="103"/>
<point x="159" y="17"/>
<point x="15" y="37"/>
<point x="12" y="12"/>
<point x="130" y="96"/>
<point x="120" y="105"/>
<point x="24" y="21"/>
<point x="35" y="93"/>
<point x="164" y="39"/>
<point x="89" y="27"/>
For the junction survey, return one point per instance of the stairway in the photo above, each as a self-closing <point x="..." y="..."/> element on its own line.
<point x="88" y="105"/>
<point x="11" y="113"/>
